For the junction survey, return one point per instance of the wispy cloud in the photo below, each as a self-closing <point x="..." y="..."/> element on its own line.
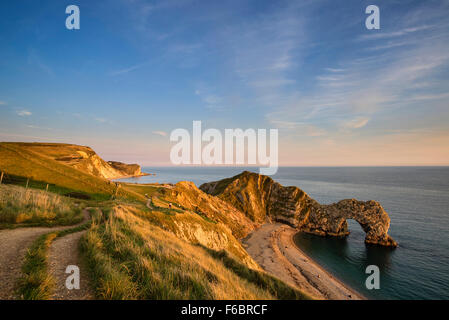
<point x="185" y="48"/>
<point x="210" y="99"/>
<point x="422" y="97"/>
<point x="264" y="50"/>
<point x="31" y="126"/>
<point x="395" y="34"/>
<point x="391" y="44"/>
<point x="354" y="123"/>
<point x="366" y="84"/>
<point x="143" y="13"/>
<point x="103" y="120"/>
<point x="334" y="70"/>
<point x="36" y="60"/>
<point x="24" y="113"/>
<point x="160" y="133"/>
<point x="300" y="127"/>
<point x="128" y="70"/>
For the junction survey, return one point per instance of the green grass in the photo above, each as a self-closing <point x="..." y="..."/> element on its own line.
<point x="142" y="189"/>
<point x="50" y="187"/>
<point x="169" y="211"/>
<point x="36" y="283"/>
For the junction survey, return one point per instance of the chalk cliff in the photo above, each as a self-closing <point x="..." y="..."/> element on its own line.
<point x="82" y="158"/>
<point x="131" y="170"/>
<point x="262" y="199"/>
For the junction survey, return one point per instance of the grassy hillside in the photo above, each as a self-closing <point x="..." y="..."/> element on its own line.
<point x="146" y="242"/>
<point x="132" y="258"/>
<point x="215" y="209"/>
<point x="82" y="158"/>
<point x="19" y="163"/>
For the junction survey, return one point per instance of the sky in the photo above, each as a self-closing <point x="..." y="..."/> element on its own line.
<point x="339" y="94"/>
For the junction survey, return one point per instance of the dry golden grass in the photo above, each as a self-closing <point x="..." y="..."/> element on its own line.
<point x="131" y="258"/>
<point x="27" y="206"/>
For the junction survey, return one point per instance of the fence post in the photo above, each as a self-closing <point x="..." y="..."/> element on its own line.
<point x="114" y="196"/>
<point x="1" y="178"/>
<point x="46" y="189"/>
<point x="28" y="180"/>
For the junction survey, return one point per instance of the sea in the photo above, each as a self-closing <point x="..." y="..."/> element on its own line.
<point x="416" y="199"/>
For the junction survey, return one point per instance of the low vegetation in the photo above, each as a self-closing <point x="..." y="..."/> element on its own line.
<point x="20" y="206"/>
<point x="131" y="258"/>
<point x="146" y="242"/>
<point x="22" y="163"/>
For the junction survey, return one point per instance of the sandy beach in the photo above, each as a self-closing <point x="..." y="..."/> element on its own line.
<point x="272" y="246"/>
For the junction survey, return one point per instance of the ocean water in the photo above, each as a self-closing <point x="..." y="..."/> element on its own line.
<point x="416" y="198"/>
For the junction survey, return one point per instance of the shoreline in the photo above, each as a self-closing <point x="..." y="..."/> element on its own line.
<point x="318" y="266"/>
<point x="273" y="248"/>
<point x="143" y="174"/>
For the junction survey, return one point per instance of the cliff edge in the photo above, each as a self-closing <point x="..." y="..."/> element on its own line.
<point x="131" y="170"/>
<point x="82" y="158"/>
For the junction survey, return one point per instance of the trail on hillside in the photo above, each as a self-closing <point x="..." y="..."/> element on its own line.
<point x="65" y="252"/>
<point x="13" y="246"/>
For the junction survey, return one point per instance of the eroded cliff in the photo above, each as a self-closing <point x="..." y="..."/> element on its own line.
<point x="131" y="170"/>
<point x="84" y="159"/>
<point x="263" y="199"/>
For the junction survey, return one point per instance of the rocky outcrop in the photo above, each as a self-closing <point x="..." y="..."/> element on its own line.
<point x="263" y="199"/>
<point x="85" y="159"/>
<point x="131" y="170"/>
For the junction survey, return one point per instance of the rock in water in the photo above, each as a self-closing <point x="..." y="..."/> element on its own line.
<point x="262" y="199"/>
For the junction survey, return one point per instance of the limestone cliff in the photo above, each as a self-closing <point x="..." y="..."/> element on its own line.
<point x="263" y="199"/>
<point x="84" y="159"/>
<point x="131" y="170"/>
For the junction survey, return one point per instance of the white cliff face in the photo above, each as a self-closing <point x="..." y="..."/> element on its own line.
<point x="96" y="166"/>
<point x="85" y="159"/>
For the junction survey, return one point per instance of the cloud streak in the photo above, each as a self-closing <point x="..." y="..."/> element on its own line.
<point x="357" y="89"/>
<point x="24" y="113"/>
<point x="160" y="133"/>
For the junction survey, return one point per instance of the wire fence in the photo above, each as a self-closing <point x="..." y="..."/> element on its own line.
<point x="29" y="182"/>
<point x="115" y="192"/>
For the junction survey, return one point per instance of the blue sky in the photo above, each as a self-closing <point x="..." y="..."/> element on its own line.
<point x="338" y="93"/>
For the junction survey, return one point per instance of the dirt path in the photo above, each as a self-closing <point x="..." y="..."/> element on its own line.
<point x="64" y="252"/>
<point x="273" y="248"/>
<point x="13" y="246"/>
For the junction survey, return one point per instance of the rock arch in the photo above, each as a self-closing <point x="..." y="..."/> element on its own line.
<point x="262" y="199"/>
<point x="332" y="220"/>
